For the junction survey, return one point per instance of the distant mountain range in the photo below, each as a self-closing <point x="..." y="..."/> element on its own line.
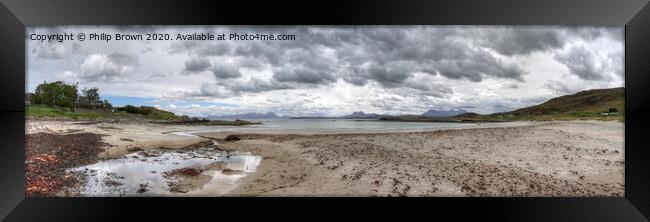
<point x="268" y="115"/>
<point x="436" y="112"/>
<point x="362" y="115"/>
<point x="591" y="101"/>
<point x="354" y="115"/>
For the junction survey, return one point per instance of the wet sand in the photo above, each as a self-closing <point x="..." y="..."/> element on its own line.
<point x="576" y="158"/>
<point x="117" y="159"/>
<point x="124" y="138"/>
<point x="569" y="158"/>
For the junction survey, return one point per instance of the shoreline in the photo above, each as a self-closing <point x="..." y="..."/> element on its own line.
<point x="438" y="163"/>
<point x="539" y="159"/>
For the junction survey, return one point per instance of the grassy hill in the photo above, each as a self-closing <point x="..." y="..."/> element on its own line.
<point x="585" y="105"/>
<point x="589" y="104"/>
<point x="143" y="114"/>
<point x="593" y="101"/>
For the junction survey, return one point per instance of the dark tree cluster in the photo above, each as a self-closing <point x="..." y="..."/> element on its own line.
<point x="66" y="95"/>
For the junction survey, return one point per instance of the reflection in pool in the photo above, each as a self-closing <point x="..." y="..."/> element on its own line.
<point x="143" y="173"/>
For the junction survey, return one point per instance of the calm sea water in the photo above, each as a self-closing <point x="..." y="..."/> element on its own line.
<point x="312" y="126"/>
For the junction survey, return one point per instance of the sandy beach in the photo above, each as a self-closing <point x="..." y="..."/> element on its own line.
<point x="567" y="158"/>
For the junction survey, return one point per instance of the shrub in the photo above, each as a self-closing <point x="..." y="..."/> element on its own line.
<point x="130" y="109"/>
<point x="56" y="94"/>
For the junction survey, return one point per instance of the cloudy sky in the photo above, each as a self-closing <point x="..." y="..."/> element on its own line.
<point x="336" y="70"/>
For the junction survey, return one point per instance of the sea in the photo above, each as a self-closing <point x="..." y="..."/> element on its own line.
<point x="332" y="126"/>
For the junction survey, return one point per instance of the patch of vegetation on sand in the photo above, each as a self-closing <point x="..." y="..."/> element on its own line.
<point x="48" y="155"/>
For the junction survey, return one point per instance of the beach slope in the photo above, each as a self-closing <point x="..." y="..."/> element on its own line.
<point x="565" y="158"/>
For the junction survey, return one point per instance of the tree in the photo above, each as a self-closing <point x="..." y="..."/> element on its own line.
<point x="70" y="96"/>
<point x="45" y="94"/>
<point x="92" y="98"/>
<point x="57" y="94"/>
<point x="106" y="105"/>
<point x="129" y="109"/>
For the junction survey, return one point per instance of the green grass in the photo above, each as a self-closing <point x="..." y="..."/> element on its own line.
<point x="589" y="103"/>
<point x="159" y="114"/>
<point x="556" y="117"/>
<point x="44" y="112"/>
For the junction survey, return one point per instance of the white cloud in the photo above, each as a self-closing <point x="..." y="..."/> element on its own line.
<point x="67" y="77"/>
<point x="106" y="68"/>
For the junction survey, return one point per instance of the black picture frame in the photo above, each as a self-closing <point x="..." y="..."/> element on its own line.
<point x="15" y="15"/>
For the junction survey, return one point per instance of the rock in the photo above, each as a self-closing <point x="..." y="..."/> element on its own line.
<point x="232" y="138"/>
<point x="229" y="171"/>
<point x="134" y="149"/>
<point x="216" y="166"/>
<point x="187" y="171"/>
<point x="202" y="144"/>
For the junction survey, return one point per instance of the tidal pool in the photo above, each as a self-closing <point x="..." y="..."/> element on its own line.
<point x="144" y="173"/>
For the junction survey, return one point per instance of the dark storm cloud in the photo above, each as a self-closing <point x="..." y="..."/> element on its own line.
<point x="390" y="76"/>
<point x="589" y="62"/>
<point x="208" y="90"/>
<point x="474" y="66"/>
<point x="585" y="64"/>
<point x="196" y="65"/>
<point x="528" y="39"/>
<point x="390" y="56"/>
<point x="256" y="85"/>
<point x="215" y="50"/>
<point x="225" y="71"/>
<point x="302" y="75"/>
<point x="509" y="41"/>
<point x="385" y="55"/>
<point x="355" y="80"/>
<point x="591" y="33"/>
<point x="184" y="46"/>
<point x="582" y="62"/>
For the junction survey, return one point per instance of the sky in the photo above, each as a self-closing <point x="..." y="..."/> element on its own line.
<point x="334" y="70"/>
